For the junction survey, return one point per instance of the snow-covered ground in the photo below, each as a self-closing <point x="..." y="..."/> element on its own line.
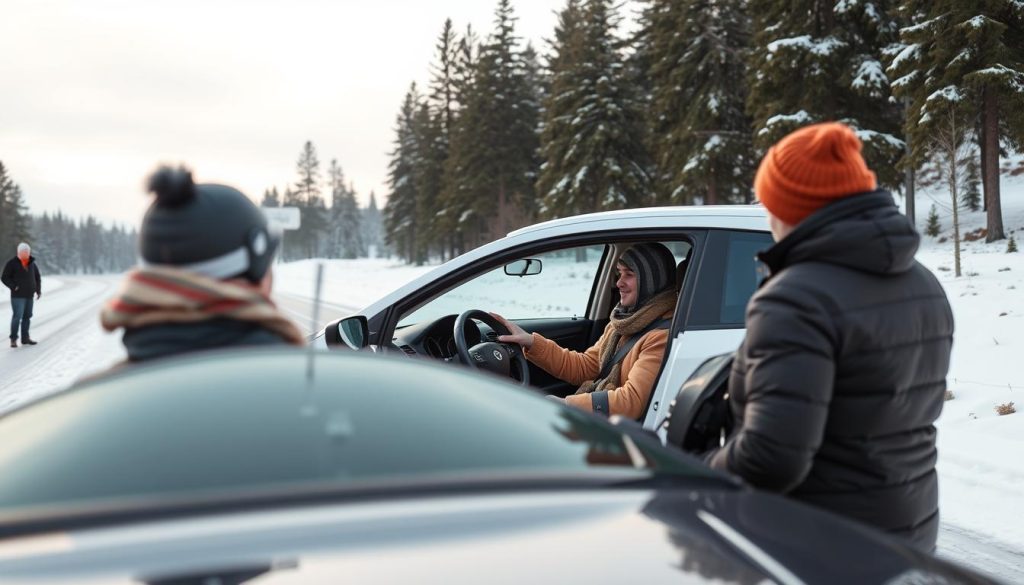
<point x="980" y="452"/>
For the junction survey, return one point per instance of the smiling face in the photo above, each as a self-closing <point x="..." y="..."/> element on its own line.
<point x="627" y="285"/>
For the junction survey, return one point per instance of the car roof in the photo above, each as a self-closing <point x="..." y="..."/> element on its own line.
<point x="734" y="217"/>
<point x="667" y="212"/>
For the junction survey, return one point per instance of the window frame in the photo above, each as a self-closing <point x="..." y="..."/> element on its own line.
<point x="419" y="297"/>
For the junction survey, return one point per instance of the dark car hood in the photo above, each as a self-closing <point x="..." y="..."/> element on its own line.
<point x="568" y="536"/>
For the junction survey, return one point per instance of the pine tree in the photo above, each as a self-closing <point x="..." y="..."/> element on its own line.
<point x="345" y="238"/>
<point x="311" y="233"/>
<point x="294" y="245"/>
<point x="400" y="211"/>
<point x="14" y="218"/>
<point x="370" y="223"/>
<point x="443" y="85"/>
<point x="431" y="149"/>
<point x="271" y="198"/>
<point x="933" y="228"/>
<point x="349" y="219"/>
<point x="592" y="143"/>
<point x="968" y="56"/>
<point x="1011" y="245"/>
<point x="699" y="128"/>
<point x="814" y="61"/>
<point x="490" y="171"/>
<point x="453" y="203"/>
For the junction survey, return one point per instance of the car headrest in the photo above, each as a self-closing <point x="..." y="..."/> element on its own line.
<point x="681" y="271"/>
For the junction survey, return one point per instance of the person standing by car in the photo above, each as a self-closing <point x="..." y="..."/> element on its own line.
<point x="21" y="275"/>
<point x="842" y="373"/>
<point x="206" y="274"/>
<point x="616" y="375"/>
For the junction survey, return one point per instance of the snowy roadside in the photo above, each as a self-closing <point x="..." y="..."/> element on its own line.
<point x="980" y="465"/>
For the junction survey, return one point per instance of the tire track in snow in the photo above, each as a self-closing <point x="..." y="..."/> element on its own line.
<point x="980" y="553"/>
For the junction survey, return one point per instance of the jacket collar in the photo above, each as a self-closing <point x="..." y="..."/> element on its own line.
<point x="777" y="256"/>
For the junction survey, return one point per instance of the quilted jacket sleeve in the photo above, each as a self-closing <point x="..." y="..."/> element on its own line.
<point x="784" y="378"/>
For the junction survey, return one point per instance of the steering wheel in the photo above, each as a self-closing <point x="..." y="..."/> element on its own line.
<point x="504" y="359"/>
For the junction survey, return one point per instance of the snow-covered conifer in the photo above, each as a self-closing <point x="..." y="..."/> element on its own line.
<point x="814" y="61"/>
<point x="967" y="55"/>
<point x="594" y="157"/>
<point x="699" y="130"/>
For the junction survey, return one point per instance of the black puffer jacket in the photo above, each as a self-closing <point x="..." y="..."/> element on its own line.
<point x="23" y="281"/>
<point x="165" y="340"/>
<point x="843" y="371"/>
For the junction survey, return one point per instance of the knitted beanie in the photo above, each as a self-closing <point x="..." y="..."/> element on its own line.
<point x="207" y="229"/>
<point x="810" y="168"/>
<point x="655" y="269"/>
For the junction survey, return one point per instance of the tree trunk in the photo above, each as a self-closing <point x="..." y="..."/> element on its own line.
<point x="983" y="149"/>
<point x="908" y="190"/>
<point x="990" y="170"/>
<point x="956" y="223"/>
<point x="712" y="192"/>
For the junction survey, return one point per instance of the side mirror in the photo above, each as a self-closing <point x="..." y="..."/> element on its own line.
<point x="354" y="332"/>
<point x="524" y="267"/>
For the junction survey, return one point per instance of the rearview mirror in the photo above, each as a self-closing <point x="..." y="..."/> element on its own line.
<point x="524" y="267"/>
<point x="354" y="332"/>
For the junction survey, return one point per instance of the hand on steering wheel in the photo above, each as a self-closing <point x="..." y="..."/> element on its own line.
<point x="516" y="334"/>
<point x="505" y="359"/>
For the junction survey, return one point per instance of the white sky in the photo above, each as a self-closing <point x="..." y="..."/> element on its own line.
<point x="95" y="93"/>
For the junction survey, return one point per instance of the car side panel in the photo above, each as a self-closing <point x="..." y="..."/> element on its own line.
<point x="689" y="350"/>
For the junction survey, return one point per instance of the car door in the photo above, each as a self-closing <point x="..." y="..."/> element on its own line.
<point x="722" y="276"/>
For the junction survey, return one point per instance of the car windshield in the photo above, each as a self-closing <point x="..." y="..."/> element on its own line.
<point x="237" y="423"/>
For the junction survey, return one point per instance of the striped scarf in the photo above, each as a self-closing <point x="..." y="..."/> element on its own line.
<point x="625" y="324"/>
<point x="153" y="296"/>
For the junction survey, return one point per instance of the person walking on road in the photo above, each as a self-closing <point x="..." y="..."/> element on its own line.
<point x="836" y="388"/>
<point x="206" y="275"/>
<point x="21" y="275"/>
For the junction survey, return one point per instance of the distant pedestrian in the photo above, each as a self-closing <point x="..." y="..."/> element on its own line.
<point x="842" y="373"/>
<point x="21" y="275"/>
<point x="206" y="274"/>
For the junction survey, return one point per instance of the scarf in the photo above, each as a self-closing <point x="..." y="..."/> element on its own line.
<point x="152" y="296"/>
<point x="626" y="323"/>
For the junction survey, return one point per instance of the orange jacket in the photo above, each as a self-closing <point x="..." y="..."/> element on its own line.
<point x="639" y="369"/>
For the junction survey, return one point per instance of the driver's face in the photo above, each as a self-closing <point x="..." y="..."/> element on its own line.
<point x="626" y="283"/>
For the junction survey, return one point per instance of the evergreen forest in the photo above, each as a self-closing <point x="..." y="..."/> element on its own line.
<point x="680" y="108"/>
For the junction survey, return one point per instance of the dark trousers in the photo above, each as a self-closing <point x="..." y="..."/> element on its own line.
<point x="22" y="313"/>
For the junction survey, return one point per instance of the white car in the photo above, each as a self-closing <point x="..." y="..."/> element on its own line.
<point x="569" y="295"/>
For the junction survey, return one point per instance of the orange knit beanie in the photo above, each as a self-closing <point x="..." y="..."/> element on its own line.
<point x="809" y="169"/>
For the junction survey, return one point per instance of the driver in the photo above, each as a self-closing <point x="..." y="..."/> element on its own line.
<point x="616" y="375"/>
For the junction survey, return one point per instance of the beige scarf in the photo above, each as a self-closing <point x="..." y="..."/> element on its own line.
<point x="167" y="295"/>
<point x="624" y="326"/>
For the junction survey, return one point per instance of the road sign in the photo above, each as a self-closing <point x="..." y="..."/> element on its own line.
<point x="282" y="218"/>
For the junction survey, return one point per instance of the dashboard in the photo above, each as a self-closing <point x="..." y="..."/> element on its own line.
<point x="436" y="339"/>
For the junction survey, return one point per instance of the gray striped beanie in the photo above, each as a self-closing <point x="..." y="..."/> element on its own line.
<point x="655" y="269"/>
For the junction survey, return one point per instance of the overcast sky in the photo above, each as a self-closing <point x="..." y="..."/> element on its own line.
<point x="94" y="93"/>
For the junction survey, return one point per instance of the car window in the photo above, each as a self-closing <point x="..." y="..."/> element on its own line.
<point x="730" y="273"/>
<point x="561" y="290"/>
<point x="239" y="422"/>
